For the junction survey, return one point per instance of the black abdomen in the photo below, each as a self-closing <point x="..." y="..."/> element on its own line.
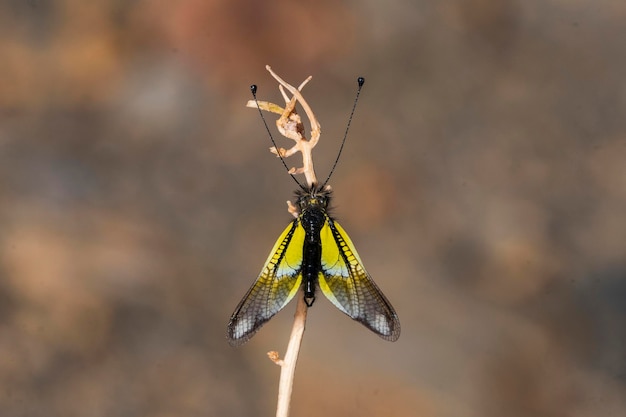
<point x="312" y="222"/>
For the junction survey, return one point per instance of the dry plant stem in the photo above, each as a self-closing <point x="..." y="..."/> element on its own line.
<point x="292" y="209"/>
<point x="315" y="126"/>
<point x="290" y="125"/>
<point x="288" y="364"/>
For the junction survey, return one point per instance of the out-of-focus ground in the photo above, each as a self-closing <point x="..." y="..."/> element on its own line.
<point x="483" y="181"/>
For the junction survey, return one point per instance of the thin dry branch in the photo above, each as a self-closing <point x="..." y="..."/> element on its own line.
<point x="290" y="125"/>
<point x="288" y="364"/>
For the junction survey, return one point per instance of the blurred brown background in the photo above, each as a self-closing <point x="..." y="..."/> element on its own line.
<point x="483" y="182"/>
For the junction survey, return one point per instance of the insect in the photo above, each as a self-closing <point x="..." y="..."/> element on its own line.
<point x="314" y="252"/>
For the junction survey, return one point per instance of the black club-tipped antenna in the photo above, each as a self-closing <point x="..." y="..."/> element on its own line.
<point x="360" y="81"/>
<point x="253" y="89"/>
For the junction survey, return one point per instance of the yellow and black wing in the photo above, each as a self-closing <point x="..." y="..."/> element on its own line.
<point x="346" y="283"/>
<point x="276" y="285"/>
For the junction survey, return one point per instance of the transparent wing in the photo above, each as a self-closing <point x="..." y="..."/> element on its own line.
<point x="276" y="285"/>
<point x="346" y="283"/>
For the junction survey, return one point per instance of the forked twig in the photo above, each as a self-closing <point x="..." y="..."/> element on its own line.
<point x="290" y="125"/>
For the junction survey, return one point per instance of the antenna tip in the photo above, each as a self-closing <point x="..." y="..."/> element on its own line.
<point x="253" y="89"/>
<point x="361" y="81"/>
